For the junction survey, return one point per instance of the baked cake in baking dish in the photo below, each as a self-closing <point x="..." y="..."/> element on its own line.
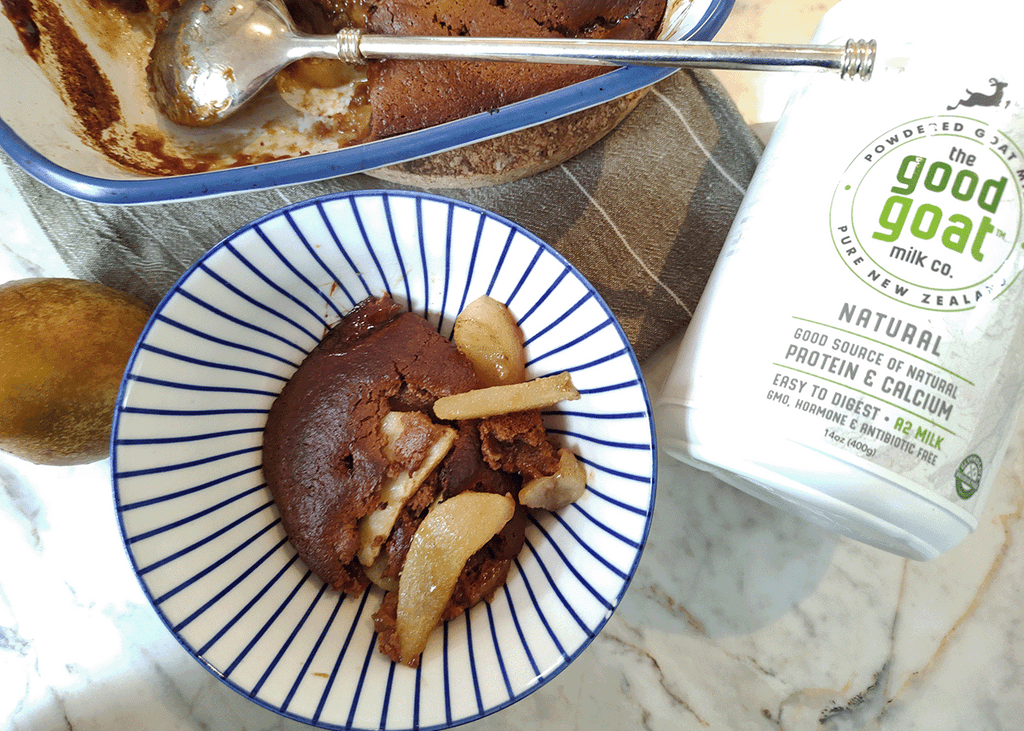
<point x="409" y="95"/>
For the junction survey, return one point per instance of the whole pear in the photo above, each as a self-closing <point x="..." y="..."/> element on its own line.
<point x="64" y="345"/>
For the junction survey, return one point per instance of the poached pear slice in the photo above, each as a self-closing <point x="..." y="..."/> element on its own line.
<point x="554" y="492"/>
<point x="411" y="426"/>
<point x="486" y="333"/>
<point x="451" y="532"/>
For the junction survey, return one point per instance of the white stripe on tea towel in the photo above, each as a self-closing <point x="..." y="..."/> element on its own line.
<point x="625" y="243"/>
<point x="696" y="139"/>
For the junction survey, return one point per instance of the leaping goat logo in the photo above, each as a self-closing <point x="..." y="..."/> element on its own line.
<point x="977" y="99"/>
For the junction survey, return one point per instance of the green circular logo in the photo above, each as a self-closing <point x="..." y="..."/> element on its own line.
<point x="968" y="476"/>
<point x="930" y="212"/>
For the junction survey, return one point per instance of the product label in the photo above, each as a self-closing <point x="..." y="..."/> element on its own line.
<point x="896" y="344"/>
<point x="859" y="349"/>
<point x="929" y="213"/>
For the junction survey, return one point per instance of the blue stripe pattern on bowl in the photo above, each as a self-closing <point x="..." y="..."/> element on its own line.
<point x="203" y="533"/>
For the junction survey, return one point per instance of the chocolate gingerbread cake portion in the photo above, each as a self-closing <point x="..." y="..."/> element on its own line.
<point x="519" y="443"/>
<point x="409" y="95"/>
<point x="323" y="449"/>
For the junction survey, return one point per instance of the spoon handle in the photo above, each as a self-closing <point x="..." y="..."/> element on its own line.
<point x="853" y="60"/>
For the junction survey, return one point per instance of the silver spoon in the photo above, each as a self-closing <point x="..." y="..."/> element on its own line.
<point x="214" y="55"/>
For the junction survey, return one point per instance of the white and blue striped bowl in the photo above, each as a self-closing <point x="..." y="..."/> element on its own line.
<point x="201" y="528"/>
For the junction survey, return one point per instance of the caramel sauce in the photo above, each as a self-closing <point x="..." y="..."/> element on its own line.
<point x="19" y="12"/>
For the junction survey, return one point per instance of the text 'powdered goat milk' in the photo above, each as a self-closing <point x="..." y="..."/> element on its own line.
<point x="858" y="355"/>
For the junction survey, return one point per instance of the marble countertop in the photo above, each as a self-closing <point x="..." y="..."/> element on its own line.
<point x="740" y="616"/>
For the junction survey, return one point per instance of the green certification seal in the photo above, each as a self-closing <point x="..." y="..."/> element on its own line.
<point x="968" y="476"/>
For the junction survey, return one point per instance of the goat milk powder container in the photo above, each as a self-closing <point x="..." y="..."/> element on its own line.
<point x="858" y="354"/>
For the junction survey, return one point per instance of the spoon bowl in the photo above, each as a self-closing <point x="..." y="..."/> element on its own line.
<point x="214" y="55"/>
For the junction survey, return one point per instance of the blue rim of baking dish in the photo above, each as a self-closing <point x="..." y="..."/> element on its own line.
<point x="357" y="158"/>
